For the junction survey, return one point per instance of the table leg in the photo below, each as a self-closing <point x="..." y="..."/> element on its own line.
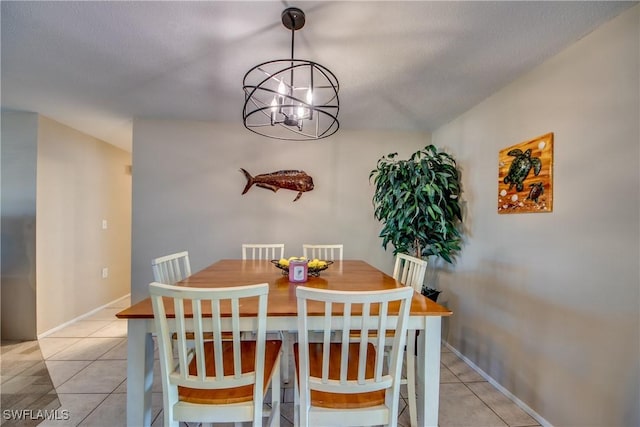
<point x="287" y="349"/>
<point x="428" y="372"/>
<point x="139" y="373"/>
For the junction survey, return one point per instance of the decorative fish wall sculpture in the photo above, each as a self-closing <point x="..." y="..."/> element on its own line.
<point x="289" y="179"/>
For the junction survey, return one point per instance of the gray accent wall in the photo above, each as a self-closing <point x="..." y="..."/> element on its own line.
<point x="187" y="189"/>
<point x="548" y="304"/>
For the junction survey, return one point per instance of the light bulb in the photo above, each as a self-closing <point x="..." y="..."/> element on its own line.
<point x="300" y="111"/>
<point x="282" y="90"/>
<point x="309" y="97"/>
<point x="274" y="107"/>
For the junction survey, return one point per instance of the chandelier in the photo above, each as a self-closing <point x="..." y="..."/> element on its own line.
<point x="291" y="99"/>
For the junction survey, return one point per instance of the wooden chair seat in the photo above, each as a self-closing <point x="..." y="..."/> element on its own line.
<point x="340" y="400"/>
<point x="355" y="334"/>
<point x="207" y="336"/>
<point x="237" y="394"/>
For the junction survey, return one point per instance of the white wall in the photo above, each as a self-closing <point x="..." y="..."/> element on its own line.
<point x="548" y="304"/>
<point x="19" y="158"/>
<point x="187" y="189"/>
<point x="81" y="181"/>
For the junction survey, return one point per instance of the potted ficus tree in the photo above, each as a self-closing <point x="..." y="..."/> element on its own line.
<point x="418" y="202"/>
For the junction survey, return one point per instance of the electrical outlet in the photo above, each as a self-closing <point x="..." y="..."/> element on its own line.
<point x="105" y="272"/>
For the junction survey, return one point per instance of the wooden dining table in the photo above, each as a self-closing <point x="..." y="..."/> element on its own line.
<point x="347" y="275"/>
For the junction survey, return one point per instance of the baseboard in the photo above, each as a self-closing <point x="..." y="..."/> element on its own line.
<point x="94" y="311"/>
<point x="518" y="402"/>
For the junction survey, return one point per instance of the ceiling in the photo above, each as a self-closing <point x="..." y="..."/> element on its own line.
<point x="401" y="65"/>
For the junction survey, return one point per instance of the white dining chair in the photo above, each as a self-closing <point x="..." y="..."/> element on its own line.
<point x="324" y="252"/>
<point x="410" y="271"/>
<point x="170" y="269"/>
<point x="215" y="380"/>
<point x="344" y="383"/>
<point x="262" y="250"/>
<point x="271" y="251"/>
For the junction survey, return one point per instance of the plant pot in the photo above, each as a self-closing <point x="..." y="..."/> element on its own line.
<point x="432" y="294"/>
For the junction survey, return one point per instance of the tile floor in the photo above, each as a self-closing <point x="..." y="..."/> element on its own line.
<point x="87" y="366"/>
<point x="25" y="382"/>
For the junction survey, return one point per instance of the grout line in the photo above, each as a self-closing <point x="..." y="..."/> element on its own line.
<point x="62" y="349"/>
<point x="118" y="386"/>
<point x="85" y="360"/>
<point x="485" y="403"/>
<point x="96" y="407"/>
<point x="161" y="413"/>
<point x="107" y="326"/>
<point x="59" y="385"/>
<point x="87" y="392"/>
<point x="499" y="387"/>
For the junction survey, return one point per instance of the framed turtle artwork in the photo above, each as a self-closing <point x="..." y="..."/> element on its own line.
<point x="525" y="179"/>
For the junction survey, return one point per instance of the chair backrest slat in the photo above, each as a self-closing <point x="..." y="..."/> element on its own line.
<point x="262" y="250"/>
<point x="326" y="342"/>
<point x="323" y="252"/>
<point x="170" y="269"/>
<point x="344" y="357"/>
<point x="180" y="328"/>
<point x="217" y="343"/>
<point x="235" y="325"/>
<point x="363" y="348"/>
<point x="382" y="326"/>
<point x="199" y="344"/>
<point x="410" y="271"/>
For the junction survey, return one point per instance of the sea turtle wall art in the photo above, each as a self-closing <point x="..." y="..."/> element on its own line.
<point x="525" y="181"/>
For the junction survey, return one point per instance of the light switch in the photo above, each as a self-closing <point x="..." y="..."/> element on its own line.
<point x="104" y="224"/>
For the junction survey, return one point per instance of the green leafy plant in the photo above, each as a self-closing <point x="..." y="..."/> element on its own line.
<point x="418" y="202"/>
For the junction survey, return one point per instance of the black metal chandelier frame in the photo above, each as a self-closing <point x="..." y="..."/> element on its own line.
<point x="274" y="106"/>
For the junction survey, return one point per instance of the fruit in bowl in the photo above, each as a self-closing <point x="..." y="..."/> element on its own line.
<point x="314" y="266"/>
<point x="316" y="263"/>
<point x="284" y="262"/>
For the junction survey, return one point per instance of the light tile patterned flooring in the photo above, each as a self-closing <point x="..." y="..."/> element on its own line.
<point x="87" y="365"/>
